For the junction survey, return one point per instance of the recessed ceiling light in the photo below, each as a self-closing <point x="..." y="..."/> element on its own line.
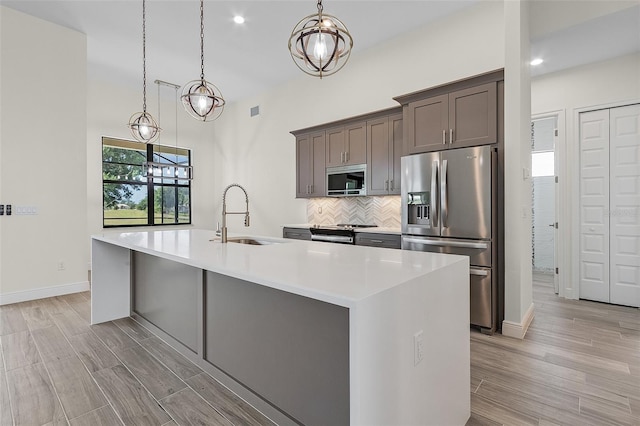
<point x="537" y="61"/>
<point x="238" y="19"/>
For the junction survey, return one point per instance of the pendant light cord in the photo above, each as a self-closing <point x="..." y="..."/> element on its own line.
<point x="144" y="59"/>
<point x="202" y="40"/>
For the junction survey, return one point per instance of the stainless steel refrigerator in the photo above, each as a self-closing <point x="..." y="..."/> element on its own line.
<point x="449" y="205"/>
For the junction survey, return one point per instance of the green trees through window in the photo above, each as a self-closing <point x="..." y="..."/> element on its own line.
<point x="129" y="198"/>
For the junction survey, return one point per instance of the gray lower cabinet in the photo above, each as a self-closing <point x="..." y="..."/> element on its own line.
<point x="291" y="350"/>
<point x="296" y="233"/>
<point x="165" y="293"/>
<point x="288" y="350"/>
<point x="379" y="240"/>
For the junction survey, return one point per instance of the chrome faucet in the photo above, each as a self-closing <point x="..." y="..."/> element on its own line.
<point x="225" y="212"/>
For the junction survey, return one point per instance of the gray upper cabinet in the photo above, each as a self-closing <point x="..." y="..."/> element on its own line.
<point x="347" y="145"/>
<point x="310" y="165"/>
<point x="384" y="149"/>
<point x="473" y="116"/>
<point x="335" y="146"/>
<point x="460" y="114"/>
<point x="427" y="124"/>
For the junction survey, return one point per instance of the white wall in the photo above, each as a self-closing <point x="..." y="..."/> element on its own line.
<point x="614" y="81"/>
<point x="43" y="163"/>
<point x="259" y="152"/>
<point x="517" y="165"/>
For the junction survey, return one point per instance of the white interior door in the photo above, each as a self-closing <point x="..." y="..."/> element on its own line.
<point x="544" y="201"/>
<point x="625" y="205"/>
<point x="594" y="205"/>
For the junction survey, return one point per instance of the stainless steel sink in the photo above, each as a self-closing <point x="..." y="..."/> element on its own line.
<point x="249" y="241"/>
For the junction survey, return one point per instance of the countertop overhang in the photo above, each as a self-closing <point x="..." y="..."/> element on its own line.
<point x="339" y="274"/>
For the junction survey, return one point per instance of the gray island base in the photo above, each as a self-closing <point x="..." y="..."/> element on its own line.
<point x="306" y="332"/>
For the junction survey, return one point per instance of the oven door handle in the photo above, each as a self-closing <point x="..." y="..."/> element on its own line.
<point x="462" y="244"/>
<point x="332" y="238"/>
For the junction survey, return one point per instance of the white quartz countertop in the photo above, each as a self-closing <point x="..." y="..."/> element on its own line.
<point x="334" y="273"/>
<point x="379" y="230"/>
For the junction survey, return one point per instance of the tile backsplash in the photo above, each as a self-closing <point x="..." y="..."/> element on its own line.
<point x="381" y="211"/>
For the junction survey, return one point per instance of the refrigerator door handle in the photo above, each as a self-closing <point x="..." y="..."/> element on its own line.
<point x="434" y="196"/>
<point x="462" y="244"/>
<point x="479" y="272"/>
<point x="444" y="210"/>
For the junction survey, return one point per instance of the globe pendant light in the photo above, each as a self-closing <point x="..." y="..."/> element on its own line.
<point x="320" y="44"/>
<point x="144" y="127"/>
<point x="202" y="100"/>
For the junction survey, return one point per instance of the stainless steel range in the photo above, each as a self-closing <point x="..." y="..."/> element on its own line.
<point x="342" y="233"/>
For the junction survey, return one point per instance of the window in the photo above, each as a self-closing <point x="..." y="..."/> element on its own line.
<point x="129" y="198"/>
<point x="542" y="164"/>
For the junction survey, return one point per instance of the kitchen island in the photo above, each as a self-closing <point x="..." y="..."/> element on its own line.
<point x="307" y="332"/>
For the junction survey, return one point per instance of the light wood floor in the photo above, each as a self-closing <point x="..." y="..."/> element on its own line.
<point x="578" y="365"/>
<point x="59" y="370"/>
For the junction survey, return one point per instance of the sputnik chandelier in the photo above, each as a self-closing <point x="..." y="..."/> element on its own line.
<point x="144" y="127"/>
<point x="201" y="99"/>
<point x="320" y="44"/>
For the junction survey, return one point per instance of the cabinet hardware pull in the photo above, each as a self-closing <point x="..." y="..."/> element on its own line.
<point x="444" y="137"/>
<point x="346" y="157"/>
<point x="392" y="184"/>
<point x="386" y="185"/>
<point x="450" y="136"/>
<point x="377" y="241"/>
<point x="311" y="188"/>
<point x="478" y="272"/>
<point x="461" y="244"/>
<point x="342" y="157"/>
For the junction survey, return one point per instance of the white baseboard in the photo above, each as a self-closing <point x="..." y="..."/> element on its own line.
<point x="43" y="292"/>
<point x="518" y="330"/>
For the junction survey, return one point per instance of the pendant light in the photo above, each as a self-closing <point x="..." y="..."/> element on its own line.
<point x="144" y="127"/>
<point x="202" y="100"/>
<point x="320" y="44"/>
<point x="169" y="170"/>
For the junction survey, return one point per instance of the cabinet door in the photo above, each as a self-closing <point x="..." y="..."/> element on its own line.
<point x="395" y="152"/>
<point x="356" y="143"/>
<point x="473" y="116"/>
<point x="303" y="166"/>
<point x="318" y="161"/>
<point x="378" y="156"/>
<point x="427" y="122"/>
<point x="335" y="147"/>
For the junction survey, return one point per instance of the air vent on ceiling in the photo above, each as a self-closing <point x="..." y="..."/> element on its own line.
<point x="255" y="110"/>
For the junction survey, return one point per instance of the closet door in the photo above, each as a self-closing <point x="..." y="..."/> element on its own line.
<point x="594" y="205"/>
<point x="625" y="205"/>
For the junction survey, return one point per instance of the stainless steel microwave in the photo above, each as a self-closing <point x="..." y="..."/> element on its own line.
<point x="343" y="181"/>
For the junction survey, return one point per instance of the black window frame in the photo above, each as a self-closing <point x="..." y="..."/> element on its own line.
<point x="150" y="183"/>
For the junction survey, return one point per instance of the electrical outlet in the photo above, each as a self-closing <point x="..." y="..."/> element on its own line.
<point x="418" y="348"/>
<point x="320" y="209"/>
<point x="61" y="266"/>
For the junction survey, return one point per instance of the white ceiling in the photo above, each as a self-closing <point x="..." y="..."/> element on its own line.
<point x="243" y="60"/>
